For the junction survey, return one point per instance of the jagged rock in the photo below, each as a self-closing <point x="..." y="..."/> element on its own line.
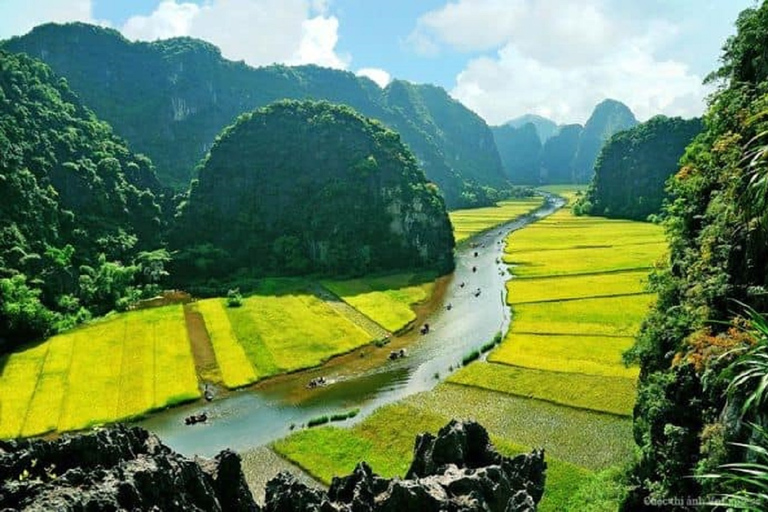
<point x="117" y="469"/>
<point x="457" y="471"/>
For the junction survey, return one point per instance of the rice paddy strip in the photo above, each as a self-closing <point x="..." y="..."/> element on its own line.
<point x="385" y="441"/>
<point x="175" y="378"/>
<point x="20" y="373"/>
<point x="387" y="300"/>
<point x="584" y="261"/>
<point x="614" y="395"/>
<point x="45" y="405"/>
<point x="574" y="287"/>
<point x="476" y="220"/>
<point x="581" y="437"/>
<point x="292" y="330"/>
<point x="236" y="369"/>
<point x="593" y="355"/>
<point x="94" y="376"/>
<point x="137" y="386"/>
<point x="599" y="316"/>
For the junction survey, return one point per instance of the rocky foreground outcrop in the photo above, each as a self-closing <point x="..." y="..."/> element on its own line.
<point x="459" y="470"/>
<point x="130" y="469"/>
<point x="118" y="468"/>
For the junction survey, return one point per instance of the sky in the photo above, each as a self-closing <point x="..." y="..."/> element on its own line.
<point x="500" y="58"/>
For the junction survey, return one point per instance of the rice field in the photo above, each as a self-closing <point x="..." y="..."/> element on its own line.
<point x="113" y="369"/>
<point x="387" y="300"/>
<point x="476" y="220"/>
<point x="600" y="393"/>
<point x="520" y="291"/>
<point x="291" y="330"/>
<point x="236" y="369"/>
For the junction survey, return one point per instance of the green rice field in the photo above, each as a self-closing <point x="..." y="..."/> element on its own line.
<point x="476" y="220"/>
<point x="116" y="368"/>
<point x="387" y="300"/>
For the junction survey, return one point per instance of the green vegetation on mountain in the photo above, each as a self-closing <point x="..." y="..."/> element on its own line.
<point x="520" y="151"/>
<point x="608" y="118"/>
<point x="80" y="220"/>
<point x="634" y="166"/>
<point x="305" y="187"/>
<point x="171" y="98"/>
<point x="688" y="415"/>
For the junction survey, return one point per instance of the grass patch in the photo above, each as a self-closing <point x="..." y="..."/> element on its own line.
<point x="575" y="287"/>
<point x="236" y="369"/>
<point x="17" y="385"/>
<point x="292" y="330"/>
<point x="620" y="316"/>
<point x="594" y="355"/>
<point x="476" y="220"/>
<point x="615" y="395"/>
<point x="387" y="300"/>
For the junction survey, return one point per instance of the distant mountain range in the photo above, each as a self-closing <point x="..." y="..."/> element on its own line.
<point x="558" y="154"/>
<point x="170" y="99"/>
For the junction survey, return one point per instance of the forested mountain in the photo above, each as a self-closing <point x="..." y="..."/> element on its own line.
<point x="557" y="154"/>
<point x="545" y="128"/>
<point x="520" y="152"/>
<point x="79" y="211"/>
<point x="634" y="165"/>
<point x="690" y="408"/>
<point x="568" y="154"/>
<point x="337" y="194"/>
<point x="171" y="98"/>
<point x="609" y="117"/>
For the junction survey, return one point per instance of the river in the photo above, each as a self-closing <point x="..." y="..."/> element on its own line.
<point x="364" y="379"/>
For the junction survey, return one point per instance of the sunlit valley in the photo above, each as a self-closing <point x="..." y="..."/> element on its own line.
<point x="239" y="285"/>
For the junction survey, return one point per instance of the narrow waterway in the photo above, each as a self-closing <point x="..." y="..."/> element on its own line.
<point x="364" y="379"/>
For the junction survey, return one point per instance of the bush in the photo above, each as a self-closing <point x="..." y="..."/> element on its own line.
<point x="472" y="356"/>
<point x="234" y="298"/>
<point x="345" y="415"/>
<point x="318" y="420"/>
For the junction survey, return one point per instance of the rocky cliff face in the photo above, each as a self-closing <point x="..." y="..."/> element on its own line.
<point x="117" y="469"/>
<point x="124" y="468"/>
<point x="459" y="470"/>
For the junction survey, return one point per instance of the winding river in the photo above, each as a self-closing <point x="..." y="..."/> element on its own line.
<point x="364" y="379"/>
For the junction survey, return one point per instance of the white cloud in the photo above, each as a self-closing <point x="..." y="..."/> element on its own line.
<point x="20" y="16"/>
<point x="260" y="32"/>
<point x="381" y="77"/>
<point x="559" y="58"/>
<point x="318" y="43"/>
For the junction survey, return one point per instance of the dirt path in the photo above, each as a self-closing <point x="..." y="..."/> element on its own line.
<point x="205" y="358"/>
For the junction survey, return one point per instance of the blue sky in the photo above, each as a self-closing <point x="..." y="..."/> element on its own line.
<point x="501" y="58"/>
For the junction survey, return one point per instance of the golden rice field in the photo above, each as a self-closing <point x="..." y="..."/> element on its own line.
<point x="520" y="291"/>
<point x="291" y="330"/>
<point x="116" y="368"/>
<point x="476" y="220"/>
<point x="387" y="300"/>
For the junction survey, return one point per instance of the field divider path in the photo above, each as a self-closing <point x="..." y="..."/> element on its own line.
<point x="338" y="304"/>
<point x="206" y="364"/>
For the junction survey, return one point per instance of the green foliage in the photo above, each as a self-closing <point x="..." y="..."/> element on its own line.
<point x="339" y="194"/>
<point x="234" y="298"/>
<point x="78" y="208"/>
<point x="22" y="315"/>
<point x="468" y="358"/>
<point x="717" y="228"/>
<point x="318" y="420"/>
<point x="633" y="167"/>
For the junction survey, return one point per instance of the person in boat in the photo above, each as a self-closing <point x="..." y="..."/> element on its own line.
<point x="461" y="285"/>
<point x="474" y="269"/>
<point x="449" y="306"/>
